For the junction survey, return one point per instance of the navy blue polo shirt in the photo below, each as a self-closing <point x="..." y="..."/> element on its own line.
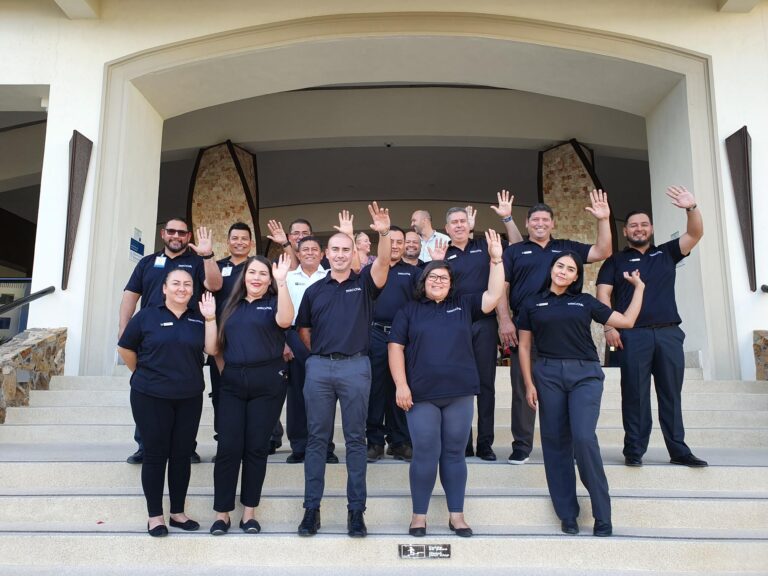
<point x="339" y="314"/>
<point x="251" y="334"/>
<point x="470" y="267"/>
<point x="657" y="269"/>
<point x="149" y="274"/>
<point x="169" y="350"/>
<point x="230" y="274"/>
<point x="439" y="358"/>
<point x="397" y="292"/>
<point x="561" y="324"/>
<point x="527" y="265"/>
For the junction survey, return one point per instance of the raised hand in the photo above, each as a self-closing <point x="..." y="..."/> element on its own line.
<point x="438" y="252"/>
<point x="345" y="226"/>
<point x="379" y="217"/>
<point x="281" y="267"/>
<point x="634" y="278"/>
<point x="204" y="245"/>
<point x="681" y="196"/>
<point x="504" y="209"/>
<point x="276" y="232"/>
<point x="471" y="217"/>
<point x="208" y="305"/>
<point x="495" y="249"/>
<point x="599" y="208"/>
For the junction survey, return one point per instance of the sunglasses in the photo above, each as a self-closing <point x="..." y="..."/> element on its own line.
<point x="174" y="232"/>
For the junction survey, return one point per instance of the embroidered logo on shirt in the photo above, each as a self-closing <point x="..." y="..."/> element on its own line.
<point x="527" y="252"/>
<point x="196" y="320"/>
<point x="475" y="251"/>
<point x="543" y="304"/>
<point x="555" y="251"/>
<point x="166" y="324"/>
<point x="451" y="257"/>
<point x="655" y="253"/>
<point x="263" y="307"/>
<point x="184" y="266"/>
<point x="634" y="259"/>
<point x="354" y="290"/>
<point x="403" y="273"/>
<point x="453" y="310"/>
<point x="575" y="304"/>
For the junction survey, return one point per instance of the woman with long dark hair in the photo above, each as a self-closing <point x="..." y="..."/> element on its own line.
<point x="433" y="366"/>
<point x="566" y="384"/>
<point x="253" y="386"/>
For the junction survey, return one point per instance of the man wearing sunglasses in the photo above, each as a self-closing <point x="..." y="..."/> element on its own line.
<point x="146" y="282"/>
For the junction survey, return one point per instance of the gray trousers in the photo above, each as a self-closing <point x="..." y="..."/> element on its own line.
<point x="349" y="382"/>
<point x="523" y="416"/>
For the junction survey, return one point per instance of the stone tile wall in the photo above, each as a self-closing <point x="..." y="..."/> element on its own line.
<point x="760" y="346"/>
<point x="36" y="354"/>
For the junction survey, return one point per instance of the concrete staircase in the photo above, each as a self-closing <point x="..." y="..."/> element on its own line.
<point x="69" y="503"/>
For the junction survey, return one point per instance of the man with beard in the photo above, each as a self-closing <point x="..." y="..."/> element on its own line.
<point x="526" y="266"/>
<point x="147" y="279"/>
<point x="655" y="345"/>
<point x="412" y="249"/>
<point x="421" y="222"/>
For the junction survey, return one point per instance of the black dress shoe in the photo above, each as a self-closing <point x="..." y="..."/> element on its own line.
<point x="602" y="528"/>
<point x="402" y="452"/>
<point x="417" y="531"/>
<point x="158" y="531"/>
<point x="569" y="526"/>
<point x="310" y="524"/>
<point x="274" y="445"/>
<point x="295" y="458"/>
<point x="250" y="527"/>
<point x="463" y="532"/>
<point x="136" y="458"/>
<point x="195" y="458"/>
<point x="331" y="458"/>
<point x="689" y="460"/>
<point x="633" y="461"/>
<point x="469" y="452"/>
<point x="219" y="528"/>
<point x="355" y="523"/>
<point x="486" y="453"/>
<point x="374" y="453"/>
<point x="189" y="526"/>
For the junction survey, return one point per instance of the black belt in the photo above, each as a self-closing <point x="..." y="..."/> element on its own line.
<point x="386" y="328"/>
<point x="338" y="356"/>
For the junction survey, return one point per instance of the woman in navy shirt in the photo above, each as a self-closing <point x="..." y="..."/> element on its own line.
<point x="569" y="384"/>
<point x="163" y="348"/>
<point x="433" y="366"/>
<point x="253" y="386"/>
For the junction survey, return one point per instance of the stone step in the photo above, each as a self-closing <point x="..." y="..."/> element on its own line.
<point x="393" y="509"/>
<point x="611" y="400"/>
<point x="387" y="475"/>
<point x="97" y="433"/>
<point x="537" y="555"/>
<point x="123" y="415"/>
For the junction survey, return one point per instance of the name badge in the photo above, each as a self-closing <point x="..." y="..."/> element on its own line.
<point x="451" y="257"/>
<point x="160" y="261"/>
<point x="166" y="324"/>
<point x="227" y="271"/>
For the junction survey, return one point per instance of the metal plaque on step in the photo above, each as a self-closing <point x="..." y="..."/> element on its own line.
<point x="424" y="551"/>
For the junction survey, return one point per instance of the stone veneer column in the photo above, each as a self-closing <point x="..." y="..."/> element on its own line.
<point x="566" y="178"/>
<point x="224" y="190"/>
<point x="760" y="346"/>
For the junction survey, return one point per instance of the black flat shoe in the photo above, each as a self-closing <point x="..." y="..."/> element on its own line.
<point x="602" y="528"/>
<point x="219" y="528"/>
<point x="417" y="531"/>
<point x="689" y="460"/>
<point x="569" y="526"/>
<point x="250" y="527"/>
<point x="633" y="461"/>
<point x="189" y="525"/>
<point x="463" y="532"/>
<point x="158" y="531"/>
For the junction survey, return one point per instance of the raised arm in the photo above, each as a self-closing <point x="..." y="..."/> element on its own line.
<point x="278" y="236"/>
<point x="603" y="247"/>
<point x="208" y="310"/>
<point x="504" y="211"/>
<point x="694" y="230"/>
<point x="495" y="289"/>
<point x="204" y="248"/>
<point x="346" y="226"/>
<point x="380" y="223"/>
<point x="628" y="319"/>
<point x="396" y="354"/>
<point x="284" y="314"/>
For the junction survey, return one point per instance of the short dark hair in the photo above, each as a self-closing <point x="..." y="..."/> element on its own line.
<point x="578" y="285"/>
<point x="635" y="213"/>
<point x="541" y="207"/>
<point x="314" y="239"/>
<point x="453" y="211"/>
<point x="240" y="226"/>
<point x="300" y="221"/>
<point x="420" y="291"/>
<point x="178" y="218"/>
<point x="397" y="229"/>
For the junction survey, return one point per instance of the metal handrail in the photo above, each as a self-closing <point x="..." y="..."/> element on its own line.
<point x="27" y="299"/>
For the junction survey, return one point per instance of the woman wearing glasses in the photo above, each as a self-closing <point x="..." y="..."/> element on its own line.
<point x="433" y="366"/>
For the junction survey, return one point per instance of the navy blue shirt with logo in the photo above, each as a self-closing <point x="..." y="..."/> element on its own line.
<point x="527" y="266"/>
<point x="169" y="351"/>
<point x="339" y="314"/>
<point x="439" y="358"/>
<point x="561" y="324"/>
<point x="251" y="334"/>
<point x="148" y="276"/>
<point x="657" y="269"/>
<point x="230" y="274"/>
<point x="397" y="292"/>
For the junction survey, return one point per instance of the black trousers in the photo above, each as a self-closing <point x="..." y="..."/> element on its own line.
<point x="385" y="418"/>
<point x="168" y="428"/>
<point x="485" y="336"/>
<point x="250" y="401"/>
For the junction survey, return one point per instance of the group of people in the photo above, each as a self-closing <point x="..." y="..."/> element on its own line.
<point x="403" y="341"/>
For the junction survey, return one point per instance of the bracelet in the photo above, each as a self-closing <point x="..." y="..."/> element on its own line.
<point x="208" y="257"/>
<point x="691" y="208"/>
<point x="281" y="284"/>
<point x="210" y="319"/>
<point x="286" y="244"/>
<point x="608" y="329"/>
<point x="383" y="234"/>
<point x="507" y="219"/>
<point x="496" y="261"/>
